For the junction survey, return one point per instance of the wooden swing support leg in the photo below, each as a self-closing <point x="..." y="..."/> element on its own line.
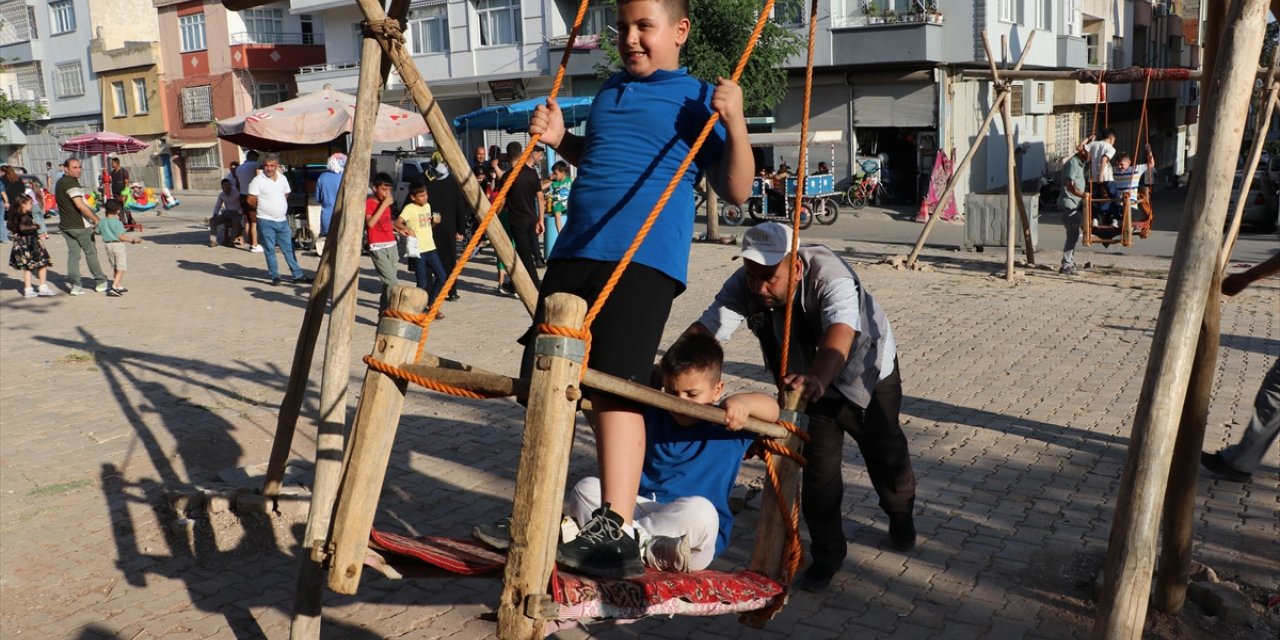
<point x="543" y="472"/>
<point x="1131" y="552"/>
<point x="954" y="181"/>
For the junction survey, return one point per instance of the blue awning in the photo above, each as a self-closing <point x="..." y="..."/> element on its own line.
<point x="514" y="117"/>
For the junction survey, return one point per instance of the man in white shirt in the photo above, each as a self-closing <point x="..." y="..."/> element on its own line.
<point x="269" y="196"/>
<point x="1101" y="150"/>
<point x="245" y="173"/>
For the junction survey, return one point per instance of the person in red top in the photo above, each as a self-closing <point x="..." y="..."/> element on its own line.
<point x="378" y="219"/>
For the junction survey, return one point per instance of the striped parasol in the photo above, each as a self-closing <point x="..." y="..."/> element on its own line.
<point x="103" y="142"/>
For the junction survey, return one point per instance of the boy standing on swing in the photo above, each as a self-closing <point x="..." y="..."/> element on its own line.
<point x="643" y="123"/>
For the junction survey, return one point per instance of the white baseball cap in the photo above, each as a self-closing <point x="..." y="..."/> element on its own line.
<point x="766" y="244"/>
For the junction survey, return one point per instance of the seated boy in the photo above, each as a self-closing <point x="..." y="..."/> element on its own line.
<point x="682" y="518"/>
<point x="1128" y="178"/>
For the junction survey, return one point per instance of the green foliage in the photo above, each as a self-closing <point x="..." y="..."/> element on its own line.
<point x="720" y="31"/>
<point x="19" y="112"/>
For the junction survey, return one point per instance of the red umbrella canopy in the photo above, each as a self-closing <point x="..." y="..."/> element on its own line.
<point x="315" y="118"/>
<point x="103" y="142"/>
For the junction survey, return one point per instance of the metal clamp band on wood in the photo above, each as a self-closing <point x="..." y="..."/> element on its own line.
<point x="561" y="347"/>
<point x="794" y="417"/>
<point x="399" y="328"/>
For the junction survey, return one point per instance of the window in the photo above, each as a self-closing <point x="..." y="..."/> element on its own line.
<point x="788" y="12"/>
<point x="1013" y="11"/>
<point x="1016" y="100"/>
<point x="62" y="17"/>
<point x="429" y="29"/>
<point x="117" y="94"/>
<point x="68" y="80"/>
<point x="308" y="29"/>
<point x="140" y="96"/>
<point x="600" y="17"/>
<point x="197" y="104"/>
<point x="192" y="30"/>
<point x="269" y="93"/>
<point x="1091" y="43"/>
<point x="206" y="158"/>
<point x="265" y="26"/>
<point x="1071" y="17"/>
<point x="30" y="79"/>
<point x="499" y="22"/>
<point x="1044" y="19"/>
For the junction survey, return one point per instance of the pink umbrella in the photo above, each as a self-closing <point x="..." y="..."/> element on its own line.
<point x="103" y="143"/>
<point x="315" y="118"/>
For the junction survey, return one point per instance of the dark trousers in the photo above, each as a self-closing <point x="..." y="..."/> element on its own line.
<point x="429" y="274"/>
<point x="884" y="448"/>
<point x="525" y="238"/>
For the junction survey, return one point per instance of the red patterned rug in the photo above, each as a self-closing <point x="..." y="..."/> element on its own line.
<point x="654" y="593"/>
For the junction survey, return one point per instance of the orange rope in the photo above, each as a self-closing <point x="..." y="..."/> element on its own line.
<point x="1143" y="122"/>
<point x="621" y="267"/>
<point x="425" y="320"/>
<point x="795" y="219"/>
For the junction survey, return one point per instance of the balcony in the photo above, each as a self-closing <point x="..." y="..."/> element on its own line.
<point x="276" y="50"/>
<point x="1073" y="52"/>
<point x="887" y="42"/>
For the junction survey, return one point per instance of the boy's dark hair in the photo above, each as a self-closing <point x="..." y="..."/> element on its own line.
<point x="1103" y="134"/>
<point x="1121" y="157"/>
<point x="382" y="178"/>
<point x="560" y="165"/>
<point x="417" y="187"/>
<point x="226" y="181"/>
<point x="677" y="9"/>
<point x="113" y="206"/>
<point x="692" y="352"/>
<point x="513" y="150"/>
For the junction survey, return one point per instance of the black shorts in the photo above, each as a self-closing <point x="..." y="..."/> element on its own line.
<point x="625" y="336"/>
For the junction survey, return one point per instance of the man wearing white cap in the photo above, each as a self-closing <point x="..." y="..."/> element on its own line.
<point x="843" y="352"/>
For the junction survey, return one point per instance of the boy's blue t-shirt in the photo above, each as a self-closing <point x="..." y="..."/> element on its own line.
<point x="698" y="460"/>
<point x="639" y="132"/>
<point x="110" y="229"/>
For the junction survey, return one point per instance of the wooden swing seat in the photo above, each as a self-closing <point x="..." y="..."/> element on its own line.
<point x="575" y="597"/>
<point x="1106" y="235"/>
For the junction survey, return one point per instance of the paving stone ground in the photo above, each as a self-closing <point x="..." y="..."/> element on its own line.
<point x="1018" y="407"/>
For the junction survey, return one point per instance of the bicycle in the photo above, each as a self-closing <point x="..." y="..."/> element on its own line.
<point x="869" y="189"/>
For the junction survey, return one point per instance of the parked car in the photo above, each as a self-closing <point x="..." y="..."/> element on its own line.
<point x="1260" y="202"/>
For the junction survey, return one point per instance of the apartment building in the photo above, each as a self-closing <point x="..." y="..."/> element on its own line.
<point x="220" y="63"/>
<point x="125" y="56"/>
<point x="45" y="46"/>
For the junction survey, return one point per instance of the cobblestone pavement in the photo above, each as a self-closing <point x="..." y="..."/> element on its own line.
<point x="1018" y="408"/>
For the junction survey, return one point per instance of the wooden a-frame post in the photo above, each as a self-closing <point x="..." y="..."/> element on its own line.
<point x="954" y="181"/>
<point x="1131" y="550"/>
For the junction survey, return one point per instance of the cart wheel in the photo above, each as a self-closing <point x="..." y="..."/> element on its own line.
<point x="302" y="239"/>
<point x="806" y="217"/>
<point x="730" y="215"/>
<point x="827" y="211"/>
<point x="753" y="209"/>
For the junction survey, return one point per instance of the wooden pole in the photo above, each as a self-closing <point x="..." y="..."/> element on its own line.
<point x="291" y="405"/>
<point x="543" y="470"/>
<point x="337" y="362"/>
<point x="1131" y="552"/>
<point x="954" y="181"/>
<point x="1178" y="522"/>
<point x="768" y="553"/>
<point x="713" y="212"/>
<point x="1006" y="118"/>
<point x="446" y="140"/>
<point x="1251" y="168"/>
<point x="372" y="434"/>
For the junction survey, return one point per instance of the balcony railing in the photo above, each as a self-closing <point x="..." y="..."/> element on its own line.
<point x="885" y="18"/>
<point x="277" y="37"/>
<point x="328" y="66"/>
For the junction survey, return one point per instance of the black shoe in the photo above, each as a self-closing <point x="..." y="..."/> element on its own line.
<point x="1219" y="467"/>
<point x="496" y="534"/>
<point x="275" y="282"/>
<point x="114" y="293"/>
<point x="453" y="297"/>
<point x="902" y="532"/>
<point x="508" y="288"/>
<point x="602" y="549"/>
<point x="302" y="280"/>
<point x="815" y="579"/>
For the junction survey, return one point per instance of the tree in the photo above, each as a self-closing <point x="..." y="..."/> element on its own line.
<point x="19" y="112"/>
<point x="716" y="40"/>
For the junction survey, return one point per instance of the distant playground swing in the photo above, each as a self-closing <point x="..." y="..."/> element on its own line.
<point x="1130" y="202"/>
<point x="535" y="597"/>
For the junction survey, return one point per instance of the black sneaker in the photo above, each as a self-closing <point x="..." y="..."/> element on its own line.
<point x="302" y="280"/>
<point x="815" y="579"/>
<point x="602" y="549"/>
<point x="275" y="282"/>
<point x="114" y="293"/>
<point x="453" y="297"/>
<point x="496" y="534"/>
<point x="1219" y="467"/>
<point x="902" y="532"/>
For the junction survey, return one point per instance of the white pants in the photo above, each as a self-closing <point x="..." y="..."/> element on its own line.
<point x="694" y="517"/>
